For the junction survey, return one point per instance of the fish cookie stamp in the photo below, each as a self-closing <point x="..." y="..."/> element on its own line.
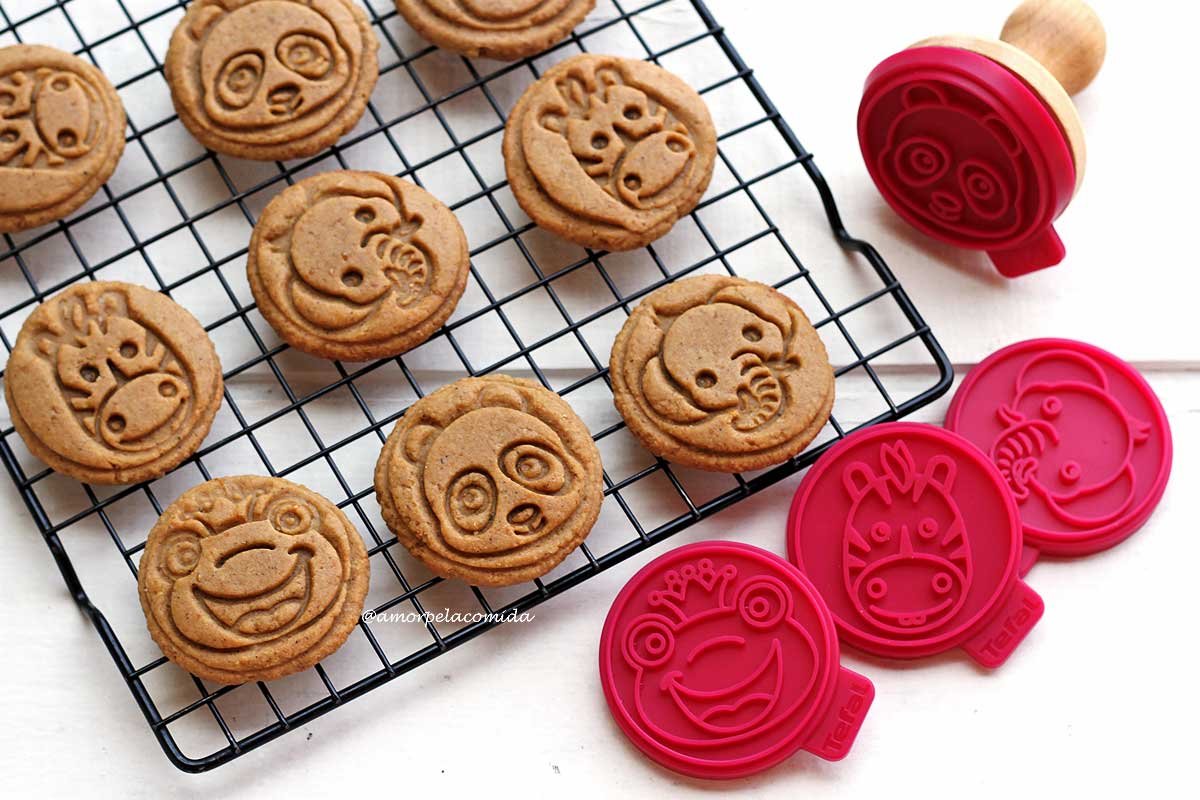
<point x="910" y="535"/>
<point x="251" y="578"/>
<point x="112" y="383"/>
<point x="507" y="30"/>
<point x="1078" y="435"/>
<point x="720" y="373"/>
<point x="357" y="265"/>
<point x="271" y="79"/>
<point x="492" y="480"/>
<point x="62" y="132"/>
<point x="609" y="152"/>
<point x="719" y="660"/>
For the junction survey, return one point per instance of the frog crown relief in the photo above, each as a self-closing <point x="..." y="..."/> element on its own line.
<point x="498" y="15"/>
<point x="47" y="118"/>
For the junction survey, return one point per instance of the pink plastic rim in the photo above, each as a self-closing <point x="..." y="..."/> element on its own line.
<point x="1079" y="436"/>
<point x="963" y="150"/>
<point x="913" y="539"/>
<point x="719" y="660"/>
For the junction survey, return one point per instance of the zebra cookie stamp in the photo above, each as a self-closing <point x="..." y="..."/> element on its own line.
<point x="910" y="535"/>
<point x="502" y="29"/>
<point x="62" y="132"/>
<point x="112" y="383"/>
<point x="357" y="265"/>
<point x="492" y="480"/>
<point x="721" y="373"/>
<point x="609" y="152"/>
<point x="251" y="578"/>
<point x="271" y="79"/>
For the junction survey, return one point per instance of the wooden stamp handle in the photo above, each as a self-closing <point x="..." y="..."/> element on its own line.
<point x="1066" y="36"/>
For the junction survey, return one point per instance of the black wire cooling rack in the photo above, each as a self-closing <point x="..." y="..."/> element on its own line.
<point x="177" y="217"/>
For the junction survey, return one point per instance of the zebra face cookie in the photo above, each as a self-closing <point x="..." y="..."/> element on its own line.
<point x="112" y="383"/>
<point x="357" y="265"/>
<point x="609" y="152"/>
<point x="503" y="29"/>
<point x="721" y="373"/>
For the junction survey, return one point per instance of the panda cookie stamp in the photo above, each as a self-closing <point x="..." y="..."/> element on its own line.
<point x="357" y="265"/>
<point x="507" y="30"/>
<point x="62" y="132"/>
<point x="609" y="152"/>
<point x="722" y="374"/>
<point x="251" y="578"/>
<point x="271" y="79"/>
<point x="492" y="480"/>
<point x="112" y="383"/>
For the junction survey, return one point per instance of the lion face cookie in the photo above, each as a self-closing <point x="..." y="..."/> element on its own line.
<point x="493" y="480"/>
<point x="504" y="29"/>
<point x="271" y="79"/>
<point x="112" y="383"/>
<point x="721" y="373"/>
<point x="251" y="578"/>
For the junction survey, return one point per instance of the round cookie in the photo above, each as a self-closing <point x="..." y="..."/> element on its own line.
<point x="62" y="132"/>
<point x="251" y="578"/>
<point x="721" y="374"/>
<point x="502" y="29"/>
<point x="357" y="265"/>
<point x="271" y="79"/>
<point x="609" y="152"/>
<point x="112" y="383"/>
<point x="492" y="480"/>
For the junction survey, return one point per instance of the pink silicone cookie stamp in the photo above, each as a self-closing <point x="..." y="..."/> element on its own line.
<point x="720" y="659"/>
<point x="1078" y="435"/>
<point x="914" y="541"/>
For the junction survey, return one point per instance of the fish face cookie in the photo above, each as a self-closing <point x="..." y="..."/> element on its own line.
<point x="271" y="79"/>
<point x="62" y="132"/>
<point x="251" y="578"/>
<point x="112" y="383"/>
<point x="609" y="152"/>
<point x="357" y="265"/>
<point x="722" y="374"/>
<point x="492" y="480"/>
<point x="502" y="29"/>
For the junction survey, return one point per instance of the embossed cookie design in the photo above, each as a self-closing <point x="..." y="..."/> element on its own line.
<point x="492" y="480"/>
<point x="271" y="79"/>
<point x="62" y="132"/>
<point x="112" y="383"/>
<point x="609" y="152"/>
<point x="502" y="29"/>
<point x="251" y="578"/>
<point x="357" y="265"/>
<point x="722" y="374"/>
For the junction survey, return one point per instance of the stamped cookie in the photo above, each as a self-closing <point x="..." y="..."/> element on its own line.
<point x="251" y="578"/>
<point x="609" y="152"/>
<point x="112" y="383"/>
<point x="492" y="480"/>
<point x="62" y="132"/>
<point x="721" y="373"/>
<point x="271" y="79"/>
<point x="357" y="265"/>
<point x="503" y="29"/>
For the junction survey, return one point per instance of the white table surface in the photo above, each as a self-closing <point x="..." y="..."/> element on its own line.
<point x="1100" y="700"/>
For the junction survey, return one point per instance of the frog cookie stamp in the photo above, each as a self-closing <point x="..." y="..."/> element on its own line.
<point x="721" y="373"/>
<point x="271" y="79"/>
<point x="508" y="30"/>
<point x="493" y="480"/>
<point x="251" y="578"/>
<point x="357" y="265"/>
<point x="609" y="152"/>
<point x="62" y="132"/>
<point x="112" y="383"/>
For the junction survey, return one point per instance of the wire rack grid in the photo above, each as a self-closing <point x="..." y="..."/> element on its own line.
<point x="177" y="217"/>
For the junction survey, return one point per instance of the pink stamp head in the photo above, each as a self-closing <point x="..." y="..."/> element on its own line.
<point x="719" y="660"/>
<point x="964" y="151"/>
<point x="1078" y="435"/>
<point x="912" y="538"/>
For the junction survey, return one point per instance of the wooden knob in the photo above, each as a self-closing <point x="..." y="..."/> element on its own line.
<point x="1066" y="36"/>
